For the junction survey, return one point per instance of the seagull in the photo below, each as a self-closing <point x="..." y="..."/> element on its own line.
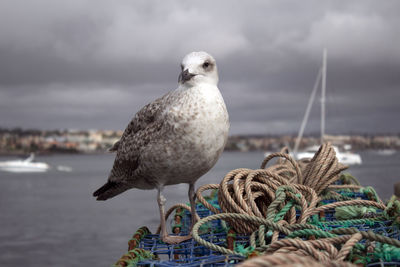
<point x="175" y="139"/>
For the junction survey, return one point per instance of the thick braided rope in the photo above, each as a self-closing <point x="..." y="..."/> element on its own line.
<point x="321" y="250"/>
<point x="293" y="260"/>
<point x="368" y="235"/>
<point x="348" y="246"/>
<point x="298" y="178"/>
<point x="302" y="247"/>
<point x="263" y="203"/>
<point x="349" y="203"/>
<point x="249" y="196"/>
<point x="345" y="231"/>
<point x="200" y="197"/>
<point x="242" y="190"/>
<point x="234" y="198"/>
<point x="305" y="247"/>
<point x="323" y="169"/>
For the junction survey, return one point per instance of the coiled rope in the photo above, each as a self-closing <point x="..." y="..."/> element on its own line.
<point x="280" y="199"/>
<point x="276" y="205"/>
<point x="285" y="259"/>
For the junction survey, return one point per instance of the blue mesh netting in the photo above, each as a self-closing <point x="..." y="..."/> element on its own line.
<point x="190" y="253"/>
<point x="214" y="226"/>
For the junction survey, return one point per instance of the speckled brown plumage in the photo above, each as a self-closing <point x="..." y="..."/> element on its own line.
<point x="175" y="139"/>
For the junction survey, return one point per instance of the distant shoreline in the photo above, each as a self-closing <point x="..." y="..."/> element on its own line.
<point x="21" y="142"/>
<point x="46" y="153"/>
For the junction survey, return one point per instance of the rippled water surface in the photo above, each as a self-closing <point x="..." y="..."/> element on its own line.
<point x="50" y="219"/>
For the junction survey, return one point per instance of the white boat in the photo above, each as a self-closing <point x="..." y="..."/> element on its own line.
<point x="346" y="157"/>
<point x="26" y="165"/>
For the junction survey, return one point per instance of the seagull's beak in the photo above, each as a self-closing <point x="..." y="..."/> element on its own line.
<point x="185" y="76"/>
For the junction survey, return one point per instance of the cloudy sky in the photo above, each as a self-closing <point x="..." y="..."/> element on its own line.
<point x="93" y="64"/>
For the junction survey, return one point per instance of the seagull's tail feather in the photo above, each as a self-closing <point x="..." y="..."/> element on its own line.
<point x="115" y="147"/>
<point x="109" y="190"/>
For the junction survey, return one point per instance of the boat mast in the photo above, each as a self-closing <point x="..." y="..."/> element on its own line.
<point x="323" y="90"/>
<point x="321" y="72"/>
<point x="306" y="115"/>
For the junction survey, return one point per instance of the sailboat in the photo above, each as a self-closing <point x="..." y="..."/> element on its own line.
<point x="346" y="157"/>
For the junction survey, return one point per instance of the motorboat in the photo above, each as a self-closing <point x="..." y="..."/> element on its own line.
<point x="27" y="165"/>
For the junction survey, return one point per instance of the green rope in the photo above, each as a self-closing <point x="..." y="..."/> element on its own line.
<point x="309" y="232"/>
<point x="347" y="178"/>
<point x="384" y="252"/>
<point x="353" y="212"/>
<point x="370" y="192"/>
<point x="180" y="213"/>
<point x="279" y="216"/>
<point x="386" y="248"/>
<point x="301" y="226"/>
<point x="246" y="251"/>
<point x="134" y="256"/>
<point x="176" y="225"/>
<point x="347" y="223"/>
<point x="299" y="230"/>
<point x="393" y="209"/>
<point x="141" y="232"/>
<point x="280" y="197"/>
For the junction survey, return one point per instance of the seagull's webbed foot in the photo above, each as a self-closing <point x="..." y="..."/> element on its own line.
<point x="175" y="239"/>
<point x="169" y="239"/>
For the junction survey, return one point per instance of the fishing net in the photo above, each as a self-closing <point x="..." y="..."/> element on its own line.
<point x="304" y="212"/>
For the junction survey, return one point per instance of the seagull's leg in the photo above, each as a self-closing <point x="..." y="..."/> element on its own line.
<point x="161" y="205"/>
<point x="164" y="235"/>
<point x="192" y="199"/>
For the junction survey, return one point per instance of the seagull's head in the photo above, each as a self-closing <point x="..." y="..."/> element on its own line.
<point x="198" y="67"/>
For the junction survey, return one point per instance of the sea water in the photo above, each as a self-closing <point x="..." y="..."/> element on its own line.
<point x="51" y="219"/>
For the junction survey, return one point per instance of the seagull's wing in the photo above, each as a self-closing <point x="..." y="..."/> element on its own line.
<point x="142" y="119"/>
<point x="137" y="134"/>
<point x="143" y="125"/>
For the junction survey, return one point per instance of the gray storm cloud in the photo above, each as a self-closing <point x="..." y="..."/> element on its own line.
<point x="85" y="64"/>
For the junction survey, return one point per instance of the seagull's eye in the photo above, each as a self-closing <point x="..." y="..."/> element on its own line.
<point x="206" y="65"/>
